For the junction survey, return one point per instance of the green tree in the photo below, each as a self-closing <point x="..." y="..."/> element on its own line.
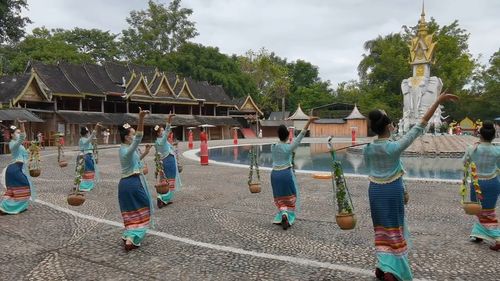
<point x="44" y="47"/>
<point x="11" y="22"/>
<point x="157" y="31"/>
<point x="99" y="45"/>
<point x="483" y="100"/>
<point x="271" y="77"/>
<point x="307" y="88"/>
<point x="386" y="63"/>
<point x="208" y="64"/>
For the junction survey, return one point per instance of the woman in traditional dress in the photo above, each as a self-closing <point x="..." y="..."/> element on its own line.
<point x="283" y="182"/>
<point x="133" y="194"/>
<point x="486" y="156"/>
<point x="169" y="163"/>
<point x="17" y="180"/>
<point x="90" y="172"/>
<point x="386" y="192"/>
<point x="203" y="147"/>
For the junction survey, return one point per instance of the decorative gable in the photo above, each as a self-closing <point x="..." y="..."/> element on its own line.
<point x="32" y="91"/>
<point x="164" y="89"/>
<point x="185" y="92"/>
<point x="140" y="89"/>
<point x="249" y="105"/>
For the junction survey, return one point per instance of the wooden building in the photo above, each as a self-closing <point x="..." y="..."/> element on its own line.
<point x="331" y="124"/>
<point x="67" y="96"/>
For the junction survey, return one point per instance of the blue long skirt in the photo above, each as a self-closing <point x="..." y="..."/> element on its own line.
<point x="88" y="179"/>
<point x="391" y="233"/>
<point x="487" y="227"/>
<point x="17" y="197"/>
<point x="285" y="194"/>
<point x="135" y="206"/>
<point x="171" y="175"/>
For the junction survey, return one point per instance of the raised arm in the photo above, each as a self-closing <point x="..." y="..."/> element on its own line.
<point x="443" y="97"/>
<point x="404" y="142"/>
<point x="298" y="139"/>
<point x="418" y="129"/>
<point x="93" y="134"/>
<point x="139" y="133"/>
<point x="164" y="136"/>
<point x="168" y="124"/>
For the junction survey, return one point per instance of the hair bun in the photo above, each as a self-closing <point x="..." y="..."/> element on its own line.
<point x="375" y="116"/>
<point x="488" y="125"/>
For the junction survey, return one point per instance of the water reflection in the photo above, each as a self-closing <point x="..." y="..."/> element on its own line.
<point x="316" y="157"/>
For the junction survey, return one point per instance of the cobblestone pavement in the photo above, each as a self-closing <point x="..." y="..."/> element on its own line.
<point x="217" y="230"/>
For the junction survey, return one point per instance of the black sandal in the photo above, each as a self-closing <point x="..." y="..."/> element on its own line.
<point x="160" y="203"/>
<point x="284" y="222"/>
<point x="476" y="240"/>
<point x="379" y="274"/>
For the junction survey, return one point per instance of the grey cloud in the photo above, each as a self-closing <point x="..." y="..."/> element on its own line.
<point x="329" y="34"/>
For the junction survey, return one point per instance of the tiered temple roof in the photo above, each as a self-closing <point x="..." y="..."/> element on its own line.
<point x="135" y="82"/>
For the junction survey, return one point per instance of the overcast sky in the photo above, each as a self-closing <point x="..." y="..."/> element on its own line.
<point x="327" y="33"/>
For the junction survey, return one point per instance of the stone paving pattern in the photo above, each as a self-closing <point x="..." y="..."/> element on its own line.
<point x="216" y="207"/>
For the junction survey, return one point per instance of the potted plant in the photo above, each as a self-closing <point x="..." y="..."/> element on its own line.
<point x="76" y="198"/>
<point x="34" y="162"/>
<point x="345" y="217"/>
<point x="161" y="186"/>
<point x="470" y="174"/>
<point x="254" y="184"/>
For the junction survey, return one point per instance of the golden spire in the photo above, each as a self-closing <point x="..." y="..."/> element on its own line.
<point x="422" y="46"/>
<point x="422" y="25"/>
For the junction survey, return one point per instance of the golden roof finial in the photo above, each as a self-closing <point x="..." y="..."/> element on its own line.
<point x="422" y="46"/>
<point x="422" y="25"/>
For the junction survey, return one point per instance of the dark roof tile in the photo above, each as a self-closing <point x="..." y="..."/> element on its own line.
<point x="101" y="79"/>
<point x="117" y="71"/>
<point x="80" y="78"/>
<point x="54" y="78"/>
<point x="11" y="86"/>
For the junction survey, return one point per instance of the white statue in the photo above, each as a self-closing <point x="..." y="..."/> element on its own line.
<point x="420" y="91"/>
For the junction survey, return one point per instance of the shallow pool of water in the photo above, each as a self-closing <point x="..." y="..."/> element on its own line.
<point x="315" y="157"/>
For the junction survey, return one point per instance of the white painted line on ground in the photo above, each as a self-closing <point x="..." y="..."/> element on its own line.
<point x="289" y="259"/>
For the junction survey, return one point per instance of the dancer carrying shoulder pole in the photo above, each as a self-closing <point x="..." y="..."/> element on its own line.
<point x="486" y="156"/>
<point x="20" y="190"/>
<point x="383" y="160"/>
<point x="90" y="172"/>
<point x="283" y="182"/>
<point x="169" y="162"/>
<point x="133" y="194"/>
